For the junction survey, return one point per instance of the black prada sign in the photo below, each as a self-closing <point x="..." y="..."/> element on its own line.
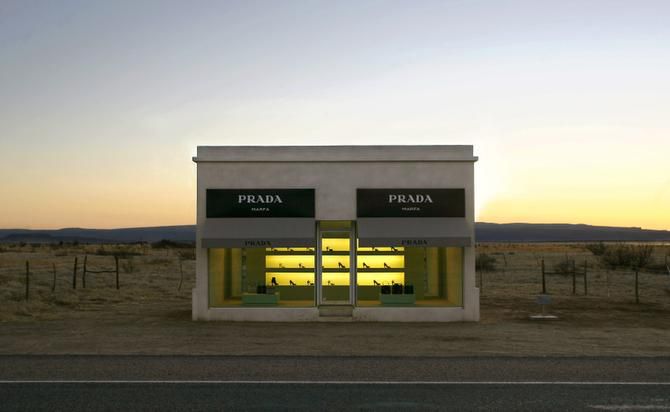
<point x="260" y="203"/>
<point x="410" y="202"/>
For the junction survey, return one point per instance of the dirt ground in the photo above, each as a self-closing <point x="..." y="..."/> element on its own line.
<point x="150" y="315"/>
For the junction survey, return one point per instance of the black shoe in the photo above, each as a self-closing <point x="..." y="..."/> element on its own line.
<point x="386" y="266"/>
<point x="340" y="265"/>
<point x="365" y="265"/>
<point x="375" y="282"/>
<point x="273" y="282"/>
<point x="290" y="282"/>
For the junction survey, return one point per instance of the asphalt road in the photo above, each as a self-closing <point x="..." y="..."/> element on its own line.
<point x="130" y="383"/>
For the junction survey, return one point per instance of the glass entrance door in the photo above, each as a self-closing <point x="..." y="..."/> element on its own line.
<point x="336" y="263"/>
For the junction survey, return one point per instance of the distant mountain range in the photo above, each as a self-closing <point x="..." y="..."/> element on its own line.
<point x="485" y="232"/>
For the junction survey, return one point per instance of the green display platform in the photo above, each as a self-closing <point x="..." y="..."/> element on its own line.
<point x="260" y="298"/>
<point x="397" y="299"/>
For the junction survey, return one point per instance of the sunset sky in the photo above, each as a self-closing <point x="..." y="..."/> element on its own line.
<point x="102" y="103"/>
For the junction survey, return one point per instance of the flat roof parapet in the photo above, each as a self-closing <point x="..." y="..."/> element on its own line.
<point x="382" y="153"/>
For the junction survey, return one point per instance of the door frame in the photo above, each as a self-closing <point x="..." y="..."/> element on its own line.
<point x="352" y="265"/>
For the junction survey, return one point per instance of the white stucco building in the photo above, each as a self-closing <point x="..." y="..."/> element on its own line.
<point x="308" y="233"/>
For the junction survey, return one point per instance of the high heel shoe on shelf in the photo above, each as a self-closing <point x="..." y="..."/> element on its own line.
<point x="386" y="266"/>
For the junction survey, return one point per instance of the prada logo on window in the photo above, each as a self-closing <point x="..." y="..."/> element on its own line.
<point x="257" y="243"/>
<point x="410" y="202"/>
<point x="258" y="199"/>
<point x="260" y="203"/>
<point x="413" y="242"/>
<point x="410" y="198"/>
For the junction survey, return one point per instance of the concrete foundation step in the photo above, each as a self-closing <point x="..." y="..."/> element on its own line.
<point x="335" y="319"/>
<point x="336" y="311"/>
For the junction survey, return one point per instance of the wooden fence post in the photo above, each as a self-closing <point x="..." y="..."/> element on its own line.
<point x="481" y="282"/>
<point x="586" y="288"/>
<point x="544" y="283"/>
<point x="574" y="278"/>
<point x="27" y="280"/>
<point x="181" y="271"/>
<point x="74" y="274"/>
<point x="637" y="294"/>
<point x="83" y="277"/>
<point x="53" y="285"/>
<point x="116" y="260"/>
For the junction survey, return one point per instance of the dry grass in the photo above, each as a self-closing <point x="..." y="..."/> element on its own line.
<point x="146" y="276"/>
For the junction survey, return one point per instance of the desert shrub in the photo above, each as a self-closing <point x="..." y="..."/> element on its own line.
<point x="627" y="256"/>
<point x="170" y="244"/>
<point x="128" y="266"/>
<point x="643" y="255"/>
<point x="122" y="252"/>
<point x="56" y="246"/>
<point x="485" y="262"/>
<point x="158" y="261"/>
<point x="597" y="249"/>
<point x="187" y="254"/>
<point x="565" y="266"/>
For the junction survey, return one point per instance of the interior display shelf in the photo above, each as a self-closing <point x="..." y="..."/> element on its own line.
<point x="293" y="286"/>
<point x="340" y="270"/>
<point x="379" y="270"/>
<point x="335" y="253"/>
<point x="286" y="253"/>
<point x="380" y="253"/>
<point x="291" y="270"/>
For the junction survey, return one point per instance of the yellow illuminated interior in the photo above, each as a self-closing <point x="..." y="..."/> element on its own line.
<point x="373" y="259"/>
<point x="285" y="278"/>
<point x="378" y="261"/>
<point x="335" y="279"/>
<point x="383" y="265"/>
<point x="285" y="267"/>
<point x="289" y="262"/>
<point x="333" y="262"/>
<point x="382" y="278"/>
<point x="335" y="245"/>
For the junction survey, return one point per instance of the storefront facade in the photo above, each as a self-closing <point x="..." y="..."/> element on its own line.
<point x="309" y="233"/>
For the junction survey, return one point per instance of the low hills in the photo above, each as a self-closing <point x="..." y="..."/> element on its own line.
<point x="485" y="232"/>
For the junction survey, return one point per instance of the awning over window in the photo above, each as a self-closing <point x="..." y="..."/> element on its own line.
<point x="258" y="232"/>
<point x="419" y="232"/>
